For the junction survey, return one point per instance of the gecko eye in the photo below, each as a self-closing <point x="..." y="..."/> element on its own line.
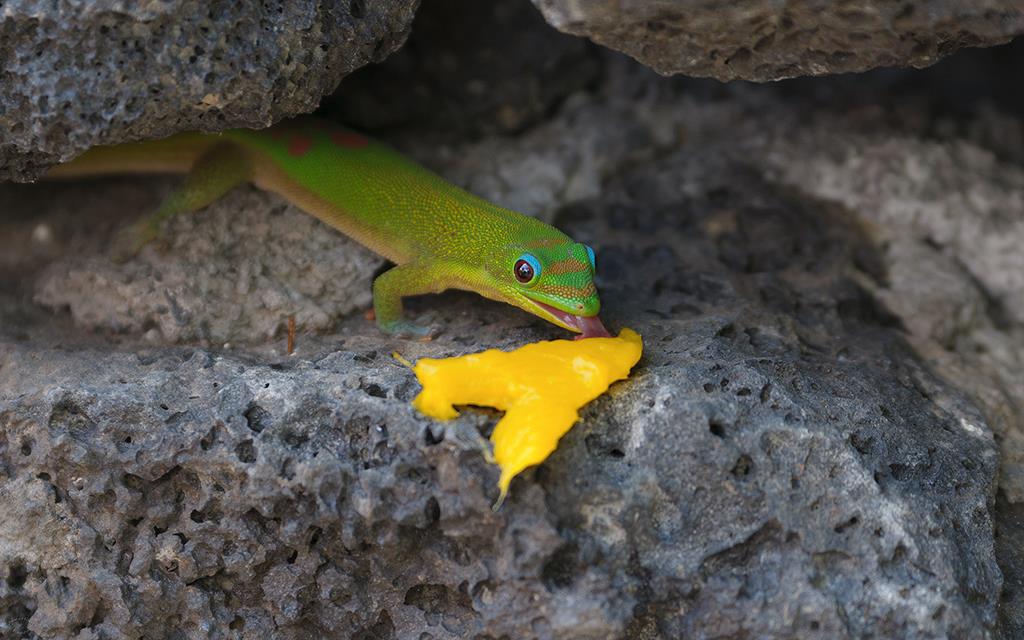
<point x="526" y="269"/>
<point x="590" y="254"/>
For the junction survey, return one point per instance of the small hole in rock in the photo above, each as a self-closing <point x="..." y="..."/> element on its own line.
<point x="843" y="526"/>
<point x="433" y="434"/>
<point x="256" y="417"/>
<point x="560" y="570"/>
<point x="375" y="390"/>
<point x="16" y="575"/>
<point x="294" y="439"/>
<point x="315" y="538"/>
<point x="899" y="553"/>
<point x="245" y="451"/>
<point x="742" y="467"/>
<point x="432" y="510"/>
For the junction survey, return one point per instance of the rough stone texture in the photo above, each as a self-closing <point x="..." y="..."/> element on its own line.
<point x="238" y="271"/>
<point x="1009" y="542"/>
<point x="808" y="448"/>
<point x="469" y="68"/>
<point x="76" y="74"/>
<point x="768" y="40"/>
<point x="776" y="554"/>
<point x="780" y="463"/>
<point x="952" y="226"/>
<point x="557" y="162"/>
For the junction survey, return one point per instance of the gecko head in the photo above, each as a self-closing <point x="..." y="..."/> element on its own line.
<point x="553" y="280"/>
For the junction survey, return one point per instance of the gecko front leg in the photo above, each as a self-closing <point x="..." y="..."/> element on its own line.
<point x="411" y="279"/>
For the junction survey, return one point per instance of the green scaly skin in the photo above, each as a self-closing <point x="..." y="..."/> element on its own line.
<point x="438" y="235"/>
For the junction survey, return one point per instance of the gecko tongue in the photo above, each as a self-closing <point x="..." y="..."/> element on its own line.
<point x="591" y="328"/>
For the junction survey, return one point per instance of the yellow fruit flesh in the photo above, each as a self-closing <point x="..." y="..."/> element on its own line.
<point x="540" y="387"/>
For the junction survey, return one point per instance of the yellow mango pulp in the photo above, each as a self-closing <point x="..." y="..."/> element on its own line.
<point x="540" y="387"/>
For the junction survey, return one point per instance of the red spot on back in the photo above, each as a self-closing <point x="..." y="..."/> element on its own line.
<point x="349" y="139"/>
<point x="298" y="145"/>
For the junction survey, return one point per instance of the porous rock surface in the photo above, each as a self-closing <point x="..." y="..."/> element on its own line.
<point x="782" y="463"/>
<point x="818" y="442"/>
<point x="80" y="73"/>
<point x="469" y="67"/>
<point x="768" y="40"/>
<point x="257" y="262"/>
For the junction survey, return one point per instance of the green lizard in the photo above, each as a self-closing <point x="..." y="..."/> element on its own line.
<point x="438" y="235"/>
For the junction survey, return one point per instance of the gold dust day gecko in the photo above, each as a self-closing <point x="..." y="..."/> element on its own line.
<point x="438" y="235"/>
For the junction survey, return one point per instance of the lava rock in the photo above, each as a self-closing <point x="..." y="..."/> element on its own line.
<point x="821" y="441"/>
<point x="469" y="68"/>
<point x="237" y="271"/>
<point x="79" y="74"/>
<point x="762" y="401"/>
<point x="765" y="40"/>
<point x="780" y="462"/>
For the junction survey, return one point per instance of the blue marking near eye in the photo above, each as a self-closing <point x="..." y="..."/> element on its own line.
<point x="526" y="269"/>
<point x="590" y="254"/>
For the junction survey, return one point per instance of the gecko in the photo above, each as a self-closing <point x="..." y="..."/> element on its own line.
<point x="438" y="235"/>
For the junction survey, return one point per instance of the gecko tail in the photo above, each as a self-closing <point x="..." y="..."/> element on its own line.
<point x="175" y="154"/>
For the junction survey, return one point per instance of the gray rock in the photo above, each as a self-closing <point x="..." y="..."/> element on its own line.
<point x="237" y="271"/>
<point x="1009" y="542"/>
<point x="469" y="68"/>
<point x="778" y="539"/>
<point x="806" y="449"/>
<point x="766" y="40"/>
<point x="781" y="462"/>
<point x="952" y="225"/>
<point x="78" y="74"/>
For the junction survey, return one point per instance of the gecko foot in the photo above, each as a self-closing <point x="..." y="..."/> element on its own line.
<point x="410" y="330"/>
